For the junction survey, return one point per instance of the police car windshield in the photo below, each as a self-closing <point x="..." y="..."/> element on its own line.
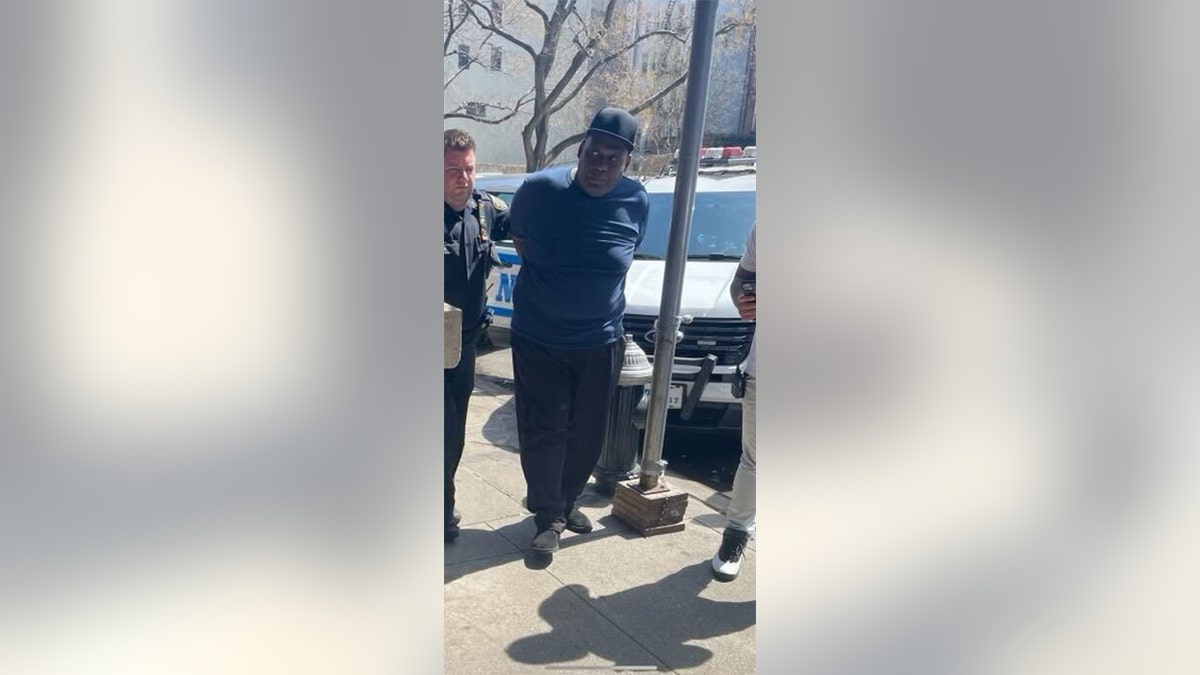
<point x="721" y="222"/>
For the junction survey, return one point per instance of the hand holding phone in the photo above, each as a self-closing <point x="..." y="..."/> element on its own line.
<point x="746" y="299"/>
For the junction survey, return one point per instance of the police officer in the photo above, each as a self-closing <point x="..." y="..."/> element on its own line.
<point x="473" y="220"/>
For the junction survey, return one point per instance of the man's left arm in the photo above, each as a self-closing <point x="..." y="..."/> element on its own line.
<point x="645" y="221"/>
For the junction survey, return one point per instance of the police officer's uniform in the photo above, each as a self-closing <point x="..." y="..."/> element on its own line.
<point x="469" y="254"/>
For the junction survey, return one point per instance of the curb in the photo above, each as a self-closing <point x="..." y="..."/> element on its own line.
<point x="504" y="382"/>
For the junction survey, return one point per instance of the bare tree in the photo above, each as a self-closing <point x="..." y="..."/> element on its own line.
<point x="570" y="50"/>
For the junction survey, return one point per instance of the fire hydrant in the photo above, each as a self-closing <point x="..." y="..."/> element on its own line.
<point x="619" y="454"/>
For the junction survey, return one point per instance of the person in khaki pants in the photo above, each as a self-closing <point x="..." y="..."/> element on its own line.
<point x="740" y="513"/>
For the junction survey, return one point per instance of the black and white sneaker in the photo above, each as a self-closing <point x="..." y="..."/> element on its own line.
<point x="727" y="563"/>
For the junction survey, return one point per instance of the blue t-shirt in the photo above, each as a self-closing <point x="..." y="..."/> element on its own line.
<point x="575" y="251"/>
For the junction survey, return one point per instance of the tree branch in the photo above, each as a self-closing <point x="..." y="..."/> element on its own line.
<point x="729" y="27"/>
<point x="454" y="26"/>
<point x="565" y="143"/>
<point x="486" y="41"/>
<point x="513" y="111"/>
<point x="533" y="5"/>
<point x="577" y="62"/>
<point x="451" y="27"/>
<point x="481" y="120"/>
<point x="659" y="96"/>
<point x="491" y="27"/>
<point x="461" y="70"/>
<point x="560" y="104"/>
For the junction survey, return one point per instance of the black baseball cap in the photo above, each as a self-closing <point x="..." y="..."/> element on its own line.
<point x="616" y="123"/>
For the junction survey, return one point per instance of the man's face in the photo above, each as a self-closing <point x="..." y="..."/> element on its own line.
<point x="459" y="177"/>
<point x="601" y="163"/>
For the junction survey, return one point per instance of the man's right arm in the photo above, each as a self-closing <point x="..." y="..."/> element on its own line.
<point x="744" y="298"/>
<point x="745" y="302"/>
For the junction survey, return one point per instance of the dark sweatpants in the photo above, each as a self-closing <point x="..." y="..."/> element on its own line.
<point x="457" y="385"/>
<point x="562" y="399"/>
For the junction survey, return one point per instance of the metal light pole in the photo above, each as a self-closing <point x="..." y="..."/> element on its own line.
<point x="667" y="326"/>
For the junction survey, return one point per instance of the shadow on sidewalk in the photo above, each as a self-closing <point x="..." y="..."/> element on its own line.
<point x="520" y="535"/>
<point x="663" y="616"/>
<point x="500" y="429"/>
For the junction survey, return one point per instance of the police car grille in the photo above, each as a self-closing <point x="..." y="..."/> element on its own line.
<point x="727" y="339"/>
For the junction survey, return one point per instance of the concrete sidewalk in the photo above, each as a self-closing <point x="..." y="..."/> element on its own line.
<point x="608" y="598"/>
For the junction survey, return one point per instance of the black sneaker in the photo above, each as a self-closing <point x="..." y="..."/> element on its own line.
<point x="546" y="541"/>
<point x="578" y="523"/>
<point x="452" y="531"/>
<point x="727" y="563"/>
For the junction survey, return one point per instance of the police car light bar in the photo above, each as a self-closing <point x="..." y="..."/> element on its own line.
<point x="726" y="155"/>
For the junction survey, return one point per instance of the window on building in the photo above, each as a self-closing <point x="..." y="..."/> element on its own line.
<point x="477" y="109"/>
<point x="497" y="58"/>
<point x="464" y="56"/>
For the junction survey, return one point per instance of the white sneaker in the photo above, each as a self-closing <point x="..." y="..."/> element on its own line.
<point x="727" y="563"/>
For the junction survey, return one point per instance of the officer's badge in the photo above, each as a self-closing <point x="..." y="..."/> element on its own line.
<point x="499" y="203"/>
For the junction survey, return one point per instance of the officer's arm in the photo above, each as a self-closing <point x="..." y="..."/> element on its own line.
<point x="500" y="211"/>
<point x="746" y="303"/>
<point x="500" y="230"/>
<point x="745" y="272"/>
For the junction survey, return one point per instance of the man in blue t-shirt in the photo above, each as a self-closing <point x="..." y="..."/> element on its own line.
<point x="576" y="230"/>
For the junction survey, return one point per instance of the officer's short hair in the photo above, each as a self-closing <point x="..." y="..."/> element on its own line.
<point x="457" y="139"/>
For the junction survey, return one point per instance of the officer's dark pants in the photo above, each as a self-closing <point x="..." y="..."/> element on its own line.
<point x="562" y="400"/>
<point x="458" y="383"/>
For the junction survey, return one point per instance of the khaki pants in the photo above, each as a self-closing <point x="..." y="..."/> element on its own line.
<point x="741" y="510"/>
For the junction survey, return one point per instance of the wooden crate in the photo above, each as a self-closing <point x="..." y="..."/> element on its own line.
<point x="655" y="512"/>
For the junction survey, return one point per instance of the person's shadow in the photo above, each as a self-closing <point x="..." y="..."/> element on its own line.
<point x="664" y="616"/>
<point x="500" y="429"/>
